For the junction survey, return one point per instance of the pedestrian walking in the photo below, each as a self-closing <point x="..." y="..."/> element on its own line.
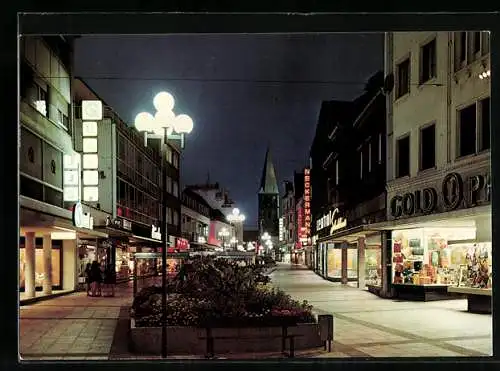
<point x="95" y="279"/>
<point x="87" y="278"/>
<point x="109" y="281"/>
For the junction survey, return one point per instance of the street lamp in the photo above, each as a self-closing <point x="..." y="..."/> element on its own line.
<point x="236" y="218"/>
<point x="164" y="125"/>
<point x="223" y="233"/>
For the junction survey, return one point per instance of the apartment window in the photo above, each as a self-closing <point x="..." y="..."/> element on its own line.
<point x="62" y="119"/>
<point x="476" y="42"/>
<point x="336" y="172"/>
<point x="467" y="130"/>
<point x="485" y="117"/>
<point x="403" y="78"/>
<point x="169" y="185"/>
<point x="485" y="42"/>
<point x="175" y="220"/>
<point x="428" y="147"/>
<point x="175" y="186"/>
<point x="428" y="62"/>
<point x="175" y="159"/>
<point x="403" y="157"/>
<point x="40" y="99"/>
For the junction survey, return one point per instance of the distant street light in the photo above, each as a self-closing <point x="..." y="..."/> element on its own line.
<point x="165" y="125"/>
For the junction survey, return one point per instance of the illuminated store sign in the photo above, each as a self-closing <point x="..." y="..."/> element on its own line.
<point x="281" y="230"/>
<point x="453" y="194"/>
<point x="307" y="202"/>
<point x="91" y="113"/>
<point x="71" y="174"/>
<point x="81" y="219"/>
<point x="155" y="233"/>
<point x="332" y="220"/>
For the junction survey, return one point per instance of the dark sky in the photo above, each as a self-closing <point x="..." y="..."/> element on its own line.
<point x="234" y="121"/>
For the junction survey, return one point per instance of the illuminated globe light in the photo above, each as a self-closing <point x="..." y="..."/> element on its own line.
<point x="183" y="124"/>
<point x="144" y="121"/>
<point x="164" y="101"/>
<point x="242" y="218"/>
<point x="236" y="211"/>
<point x="165" y="119"/>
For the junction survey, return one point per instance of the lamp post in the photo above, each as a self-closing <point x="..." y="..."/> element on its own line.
<point x="223" y="233"/>
<point x="164" y="125"/>
<point x="236" y="218"/>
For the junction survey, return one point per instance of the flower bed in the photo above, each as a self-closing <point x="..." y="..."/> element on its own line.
<point x="210" y="292"/>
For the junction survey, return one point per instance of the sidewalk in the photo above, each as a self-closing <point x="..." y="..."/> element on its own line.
<point x="74" y="326"/>
<point x="368" y="326"/>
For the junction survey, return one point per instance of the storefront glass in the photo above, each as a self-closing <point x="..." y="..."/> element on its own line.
<point x="352" y="263"/>
<point x="334" y="262"/>
<point x="321" y="255"/>
<point x="39" y="268"/>
<point x="424" y="257"/>
<point x="373" y="260"/>
<point x="124" y="264"/>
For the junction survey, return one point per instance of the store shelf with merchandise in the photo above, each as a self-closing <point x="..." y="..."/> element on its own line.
<point x="427" y="261"/>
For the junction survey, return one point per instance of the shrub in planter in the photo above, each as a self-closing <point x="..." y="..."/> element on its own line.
<point x="219" y="292"/>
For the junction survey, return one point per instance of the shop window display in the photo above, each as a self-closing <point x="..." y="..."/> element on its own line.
<point x="476" y="272"/>
<point x="39" y="268"/>
<point x="352" y="263"/>
<point x="334" y="262"/>
<point x="424" y="257"/>
<point x="373" y="266"/>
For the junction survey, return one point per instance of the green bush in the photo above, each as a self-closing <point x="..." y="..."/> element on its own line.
<point x="210" y="292"/>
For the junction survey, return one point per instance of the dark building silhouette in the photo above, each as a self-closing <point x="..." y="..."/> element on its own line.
<point x="269" y="200"/>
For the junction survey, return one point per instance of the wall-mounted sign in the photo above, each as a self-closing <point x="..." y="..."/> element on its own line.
<point x="181" y="244"/>
<point x="281" y="229"/>
<point x="71" y="177"/>
<point x="119" y="223"/>
<point x="81" y="219"/>
<point x="307" y="202"/>
<point x="91" y="110"/>
<point x="332" y="220"/>
<point x="453" y="193"/>
<point x="155" y="233"/>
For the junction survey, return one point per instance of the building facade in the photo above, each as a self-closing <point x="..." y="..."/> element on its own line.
<point x="348" y="247"/>
<point x="288" y="217"/>
<point x="129" y="206"/>
<point x="268" y="208"/>
<point x="49" y="234"/>
<point x="438" y="164"/>
<point x="195" y="218"/>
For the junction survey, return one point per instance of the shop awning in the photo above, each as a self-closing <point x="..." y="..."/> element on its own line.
<point x="135" y="238"/>
<point x="351" y="233"/>
<point x="113" y="232"/>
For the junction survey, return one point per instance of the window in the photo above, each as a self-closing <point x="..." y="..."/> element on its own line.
<point x="485" y="117"/>
<point x="40" y="99"/>
<point x="175" y="189"/>
<point x="175" y="159"/>
<point x="380" y="148"/>
<point x="428" y="62"/>
<point x="336" y="172"/>
<point x="169" y="185"/>
<point x="62" y="119"/>
<point x="403" y="78"/>
<point x="369" y="154"/>
<point x="476" y="42"/>
<point x="467" y="131"/>
<point x="485" y="42"/>
<point x="403" y="157"/>
<point x="175" y="220"/>
<point x="428" y="147"/>
<point x="361" y="163"/>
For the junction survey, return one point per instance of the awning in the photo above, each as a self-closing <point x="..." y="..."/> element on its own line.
<point x="135" y="238"/>
<point x="351" y="233"/>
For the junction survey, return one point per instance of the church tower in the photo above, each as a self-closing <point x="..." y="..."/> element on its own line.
<point x="269" y="201"/>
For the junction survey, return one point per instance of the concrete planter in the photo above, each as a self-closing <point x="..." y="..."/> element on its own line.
<point x="192" y="340"/>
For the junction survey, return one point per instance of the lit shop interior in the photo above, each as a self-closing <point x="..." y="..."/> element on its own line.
<point x="426" y="261"/>
<point x="332" y="257"/>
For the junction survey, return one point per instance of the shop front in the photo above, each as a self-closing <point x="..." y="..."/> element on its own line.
<point x="352" y="256"/>
<point x="48" y="247"/>
<point x="441" y="236"/>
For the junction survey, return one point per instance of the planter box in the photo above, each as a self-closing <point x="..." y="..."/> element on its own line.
<point x="192" y="340"/>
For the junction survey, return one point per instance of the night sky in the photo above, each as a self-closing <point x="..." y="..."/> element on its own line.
<point x="260" y="103"/>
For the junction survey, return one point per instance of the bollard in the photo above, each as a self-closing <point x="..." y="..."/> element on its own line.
<point x="326" y="330"/>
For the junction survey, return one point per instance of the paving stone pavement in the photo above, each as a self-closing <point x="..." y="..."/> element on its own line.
<point x="73" y="327"/>
<point x="77" y="327"/>
<point x="368" y="326"/>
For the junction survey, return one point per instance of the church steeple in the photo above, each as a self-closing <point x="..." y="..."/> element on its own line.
<point x="268" y="181"/>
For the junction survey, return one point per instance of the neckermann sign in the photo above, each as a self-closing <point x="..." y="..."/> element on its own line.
<point x="332" y="220"/>
<point x="454" y="191"/>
